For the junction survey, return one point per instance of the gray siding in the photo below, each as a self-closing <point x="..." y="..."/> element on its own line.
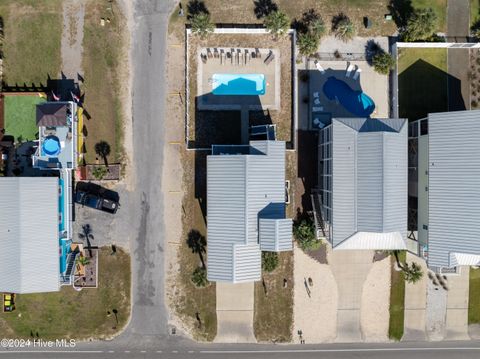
<point x="29" y="238"/>
<point x="454" y="185"/>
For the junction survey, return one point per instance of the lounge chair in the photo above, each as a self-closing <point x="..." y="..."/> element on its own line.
<point x="209" y="53"/>
<point x="215" y="53"/>
<point x="269" y="58"/>
<point x="317" y="109"/>
<point x="357" y="74"/>
<point x="247" y="56"/>
<point x="258" y="54"/>
<point x="349" y="70"/>
<point x="319" y="67"/>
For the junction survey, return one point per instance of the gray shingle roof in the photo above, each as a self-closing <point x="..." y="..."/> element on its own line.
<point x="454" y="185"/>
<point x="240" y="190"/>
<point x="369" y="175"/>
<point x="29" y="238"/>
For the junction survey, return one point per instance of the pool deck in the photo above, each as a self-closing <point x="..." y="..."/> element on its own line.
<point x="369" y="81"/>
<point x="205" y="71"/>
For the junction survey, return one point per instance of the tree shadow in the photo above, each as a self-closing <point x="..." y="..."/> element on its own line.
<point x="196" y="7"/>
<point x="103" y="149"/>
<point x="308" y="17"/>
<point x="372" y="48"/>
<point x="197" y="243"/>
<point x="337" y="19"/>
<point x="264" y="8"/>
<point x="401" y="11"/>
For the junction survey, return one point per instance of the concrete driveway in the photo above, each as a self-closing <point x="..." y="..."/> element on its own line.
<point x="456" y="322"/>
<point x="350" y="269"/>
<point x="235" y="305"/>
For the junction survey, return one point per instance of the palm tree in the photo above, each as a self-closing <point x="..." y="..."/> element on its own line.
<point x="277" y="23"/>
<point x="201" y="24"/>
<point x="307" y="43"/>
<point x="343" y="27"/>
<point x="102" y="149"/>
<point x="420" y="26"/>
<point x="197" y="243"/>
<point x="412" y="273"/>
<point x="87" y="236"/>
<point x="199" y="277"/>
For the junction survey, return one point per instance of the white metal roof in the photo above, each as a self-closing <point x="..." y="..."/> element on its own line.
<point x="369" y="167"/>
<point x="29" y="238"/>
<point x="240" y="190"/>
<point x="454" y="185"/>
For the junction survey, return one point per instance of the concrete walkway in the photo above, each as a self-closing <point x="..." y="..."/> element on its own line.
<point x="458" y="29"/>
<point x="350" y="269"/>
<point x="458" y="19"/>
<point x="415" y="305"/>
<point x="457" y="306"/>
<point x="235" y="303"/>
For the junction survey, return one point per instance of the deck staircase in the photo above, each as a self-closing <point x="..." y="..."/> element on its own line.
<point x="66" y="279"/>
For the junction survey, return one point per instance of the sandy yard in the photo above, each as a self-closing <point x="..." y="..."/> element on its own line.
<point x="374" y="310"/>
<point x="315" y="316"/>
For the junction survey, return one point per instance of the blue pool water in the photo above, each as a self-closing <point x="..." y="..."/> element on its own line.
<point x="51" y="146"/>
<point x="238" y="84"/>
<point x="64" y="244"/>
<point x="356" y="102"/>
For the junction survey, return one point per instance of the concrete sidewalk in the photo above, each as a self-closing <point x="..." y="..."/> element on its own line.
<point x="415" y="305"/>
<point x="457" y="306"/>
<point x="235" y="303"/>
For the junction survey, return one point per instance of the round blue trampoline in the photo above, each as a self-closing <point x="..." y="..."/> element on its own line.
<point x="356" y="102"/>
<point x="51" y="146"/>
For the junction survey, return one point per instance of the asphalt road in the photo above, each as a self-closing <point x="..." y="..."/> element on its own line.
<point x="443" y="350"/>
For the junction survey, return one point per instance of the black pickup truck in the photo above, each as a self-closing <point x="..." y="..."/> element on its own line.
<point x="95" y="201"/>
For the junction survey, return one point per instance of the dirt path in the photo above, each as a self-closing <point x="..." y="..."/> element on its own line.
<point x="72" y="37"/>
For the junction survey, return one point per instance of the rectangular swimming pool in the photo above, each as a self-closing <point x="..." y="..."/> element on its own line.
<point x="238" y="84"/>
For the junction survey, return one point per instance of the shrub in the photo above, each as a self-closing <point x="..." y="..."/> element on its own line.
<point x="277" y="23"/>
<point x="413" y="273"/>
<point x="269" y="261"/>
<point x="383" y="62"/>
<point x="420" y="26"/>
<point x="201" y="24"/>
<point x="343" y="27"/>
<point x="304" y="232"/>
<point x="99" y="172"/>
<point x="307" y="44"/>
<point x="199" y="277"/>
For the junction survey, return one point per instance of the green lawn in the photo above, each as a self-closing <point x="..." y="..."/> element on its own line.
<point x="440" y="8"/>
<point x="474" y="11"/>
<point x="72" y="314"/>
<point x="397" y="301"/>
<point x="20" y="121"/>
<point x="32" y="37"/>
<point x="474" y="295"/>
<point x="422" y="82"/>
